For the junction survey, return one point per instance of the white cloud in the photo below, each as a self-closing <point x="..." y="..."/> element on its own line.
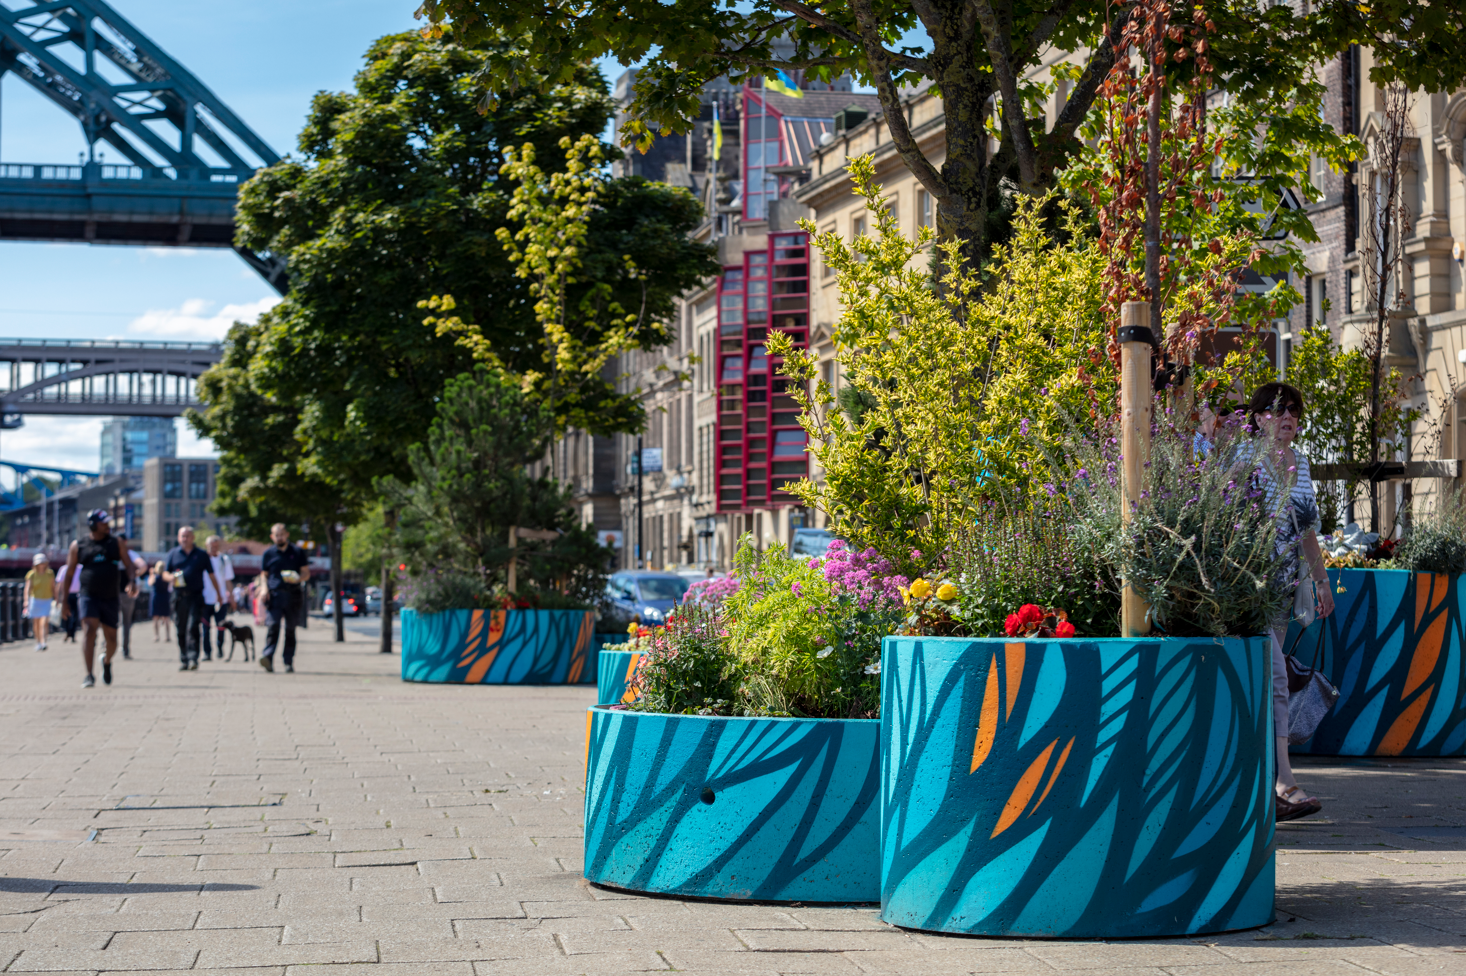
<point x="66" y="442"/>
<point x="192" y="319"/>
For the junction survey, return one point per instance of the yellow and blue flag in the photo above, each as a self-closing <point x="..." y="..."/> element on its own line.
<point x="784" y="85"/>
<point x="717" y="134"/>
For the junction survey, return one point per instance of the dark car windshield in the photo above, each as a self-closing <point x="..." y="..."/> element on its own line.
<point x="662" y="587"/>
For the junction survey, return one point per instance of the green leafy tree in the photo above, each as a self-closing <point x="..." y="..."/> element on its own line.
<point x="471" y="482"/>
<point x="584" y="322"/>
<point x="978" y="54"/>
<point x="1337" y="388"/>
<point x="264" y="476"/>
<point x="398" y="195"/>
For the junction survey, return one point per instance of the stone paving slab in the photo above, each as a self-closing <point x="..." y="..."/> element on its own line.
<point x="338" y="822"/>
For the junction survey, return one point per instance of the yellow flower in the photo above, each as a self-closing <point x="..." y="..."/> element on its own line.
<point x="920" y="588"/>
<point x="632" y="629"/>
<point x="946" y="592"/>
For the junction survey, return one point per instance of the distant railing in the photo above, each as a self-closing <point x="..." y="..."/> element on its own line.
<point x="111" y="344"/>
<point x="105" y="171"/>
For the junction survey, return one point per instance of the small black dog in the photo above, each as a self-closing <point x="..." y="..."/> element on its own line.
<point x="240" y="634"/>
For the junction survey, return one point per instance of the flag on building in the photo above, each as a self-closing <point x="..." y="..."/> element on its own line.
<point x="717" y="134"/>
<point x="784" y="85"/>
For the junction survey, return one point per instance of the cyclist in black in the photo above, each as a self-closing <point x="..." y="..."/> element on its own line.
<point x="105" y="566"/>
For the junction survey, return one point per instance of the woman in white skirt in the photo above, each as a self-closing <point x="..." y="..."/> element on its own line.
<point x="40" y="589"/>
<point x="1275" y="414"/>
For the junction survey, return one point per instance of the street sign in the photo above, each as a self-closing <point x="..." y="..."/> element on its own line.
<point x="651" y="459"/>
<point x="611" y="538"/>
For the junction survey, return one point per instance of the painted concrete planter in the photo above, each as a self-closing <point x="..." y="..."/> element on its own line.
<point x="614" y="672"/>
<point x="499" y="647"/>
<point x="774" y="809"/>
<point x="1079" y="788"/>
<point x="1393" y="648"/>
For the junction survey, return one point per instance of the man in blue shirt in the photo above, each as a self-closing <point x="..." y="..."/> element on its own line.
<point x="185" y="568"/>
<point x="286" y="571"/>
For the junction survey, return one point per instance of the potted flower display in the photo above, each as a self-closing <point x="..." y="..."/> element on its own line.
<point x="502" y="577"/>
<point x="1393" y="647"/>
<point x="743" y="760"/>
<point x="619" y="658"/>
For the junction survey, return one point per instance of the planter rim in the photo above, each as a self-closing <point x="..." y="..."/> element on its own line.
<point x="609" y="706"/>
<point x="498" y="609"/>
<point x="1156" y="639"/>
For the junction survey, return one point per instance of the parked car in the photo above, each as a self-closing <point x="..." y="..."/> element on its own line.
<point x="811" y="542"/>
<point x="373" y="600"/>
<point x="351" y="606"/>
<point x="642" y="596"/>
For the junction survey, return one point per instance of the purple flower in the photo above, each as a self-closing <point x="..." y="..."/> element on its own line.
<point x="1023" y="427"/>
<point x="796" y="589"/>
<point x="1049" y="487"/>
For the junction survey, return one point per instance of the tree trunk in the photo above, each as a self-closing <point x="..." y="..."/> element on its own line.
<point x="389" y="521"/>
<point x="337" y="615"/>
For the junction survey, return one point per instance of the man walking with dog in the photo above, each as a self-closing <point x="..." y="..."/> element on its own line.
<point x="104" y="567"/>
<point x="185" y="569"/>
<point x="286" y="570"/>
<point x="217" y="603"/>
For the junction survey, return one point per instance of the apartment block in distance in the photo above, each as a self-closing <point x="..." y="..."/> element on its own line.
<point x="177" y="492"/>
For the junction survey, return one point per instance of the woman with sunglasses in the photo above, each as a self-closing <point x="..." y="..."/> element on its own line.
<point x="1274" y="416"/>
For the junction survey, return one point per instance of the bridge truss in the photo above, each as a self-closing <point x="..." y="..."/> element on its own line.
<point x="88" y="378"/>
<point x="183" y="151"/>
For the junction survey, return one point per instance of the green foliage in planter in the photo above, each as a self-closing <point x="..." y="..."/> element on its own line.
<point x="471" y="482"/>
<point x="1012" y="557"/>
<point x="1436" y="542"/>
<point x="805" y="642"/>
<point x="686" y="668"/>
<point x="948" y="378"/>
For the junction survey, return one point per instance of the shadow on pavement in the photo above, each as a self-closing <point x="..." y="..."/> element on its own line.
<point x="111" y="887"/>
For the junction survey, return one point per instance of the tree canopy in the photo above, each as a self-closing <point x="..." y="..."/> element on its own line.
<point x="977" y="55"/>
<point x="397" y="196"/>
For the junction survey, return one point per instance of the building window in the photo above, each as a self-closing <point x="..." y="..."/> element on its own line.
<point x="172" y="481"/>
<point x="198" y="481"/>
<point x="1349" y="292"/>
<point x="924" y="209"/>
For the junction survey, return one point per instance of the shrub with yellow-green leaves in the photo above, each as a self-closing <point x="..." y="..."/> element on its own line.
<point x="960" y="383"/>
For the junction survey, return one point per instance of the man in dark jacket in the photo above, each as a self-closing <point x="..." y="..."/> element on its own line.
<point x="286" y="570"/>
<point x="105" y="567"/>
<point x="185" y="568"/>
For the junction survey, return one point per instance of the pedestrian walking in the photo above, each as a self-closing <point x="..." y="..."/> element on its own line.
<point x="159" y="606"/>
<point x="285" y="570"/>
<point x="40" y="590"/>
<point x="128" y="601"/>
<point x="101" y="566"/>
<point x="1275" y="414"/>
<point x="217" y="603"/>
<point x="70" y="621"/>
<point x="185" y="569"/>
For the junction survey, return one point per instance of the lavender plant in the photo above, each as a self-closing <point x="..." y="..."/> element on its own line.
<point x="1202" y="546"/>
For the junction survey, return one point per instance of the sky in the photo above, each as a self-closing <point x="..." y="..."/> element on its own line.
<point x="265" y="59"/>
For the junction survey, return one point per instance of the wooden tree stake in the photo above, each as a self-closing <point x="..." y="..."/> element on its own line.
<point x="513" y="555"/>
<point x="1136" y="403"/>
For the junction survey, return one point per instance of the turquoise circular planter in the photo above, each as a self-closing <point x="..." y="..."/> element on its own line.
<point x="499" y="647"/>
<point x="779" y="809"/>
<point x="1076" y="789"/>
<point x="1393" y="648"/>
<point x="615" y="670"/>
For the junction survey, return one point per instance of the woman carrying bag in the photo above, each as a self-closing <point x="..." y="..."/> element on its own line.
<point x="1274" y="416"/>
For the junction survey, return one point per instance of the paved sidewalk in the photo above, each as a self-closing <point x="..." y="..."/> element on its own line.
<point x="339" y="821"/>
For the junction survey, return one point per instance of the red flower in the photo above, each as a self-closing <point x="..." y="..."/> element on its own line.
<point x="1012" y="625"/>
<point x="1064" y="629"/>
<point x="1030" y="613"/>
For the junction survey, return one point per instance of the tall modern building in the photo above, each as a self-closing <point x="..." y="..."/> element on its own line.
<point x="128" y="442"/>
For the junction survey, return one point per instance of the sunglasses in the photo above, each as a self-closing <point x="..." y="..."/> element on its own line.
<point x="1291" y="409"/>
